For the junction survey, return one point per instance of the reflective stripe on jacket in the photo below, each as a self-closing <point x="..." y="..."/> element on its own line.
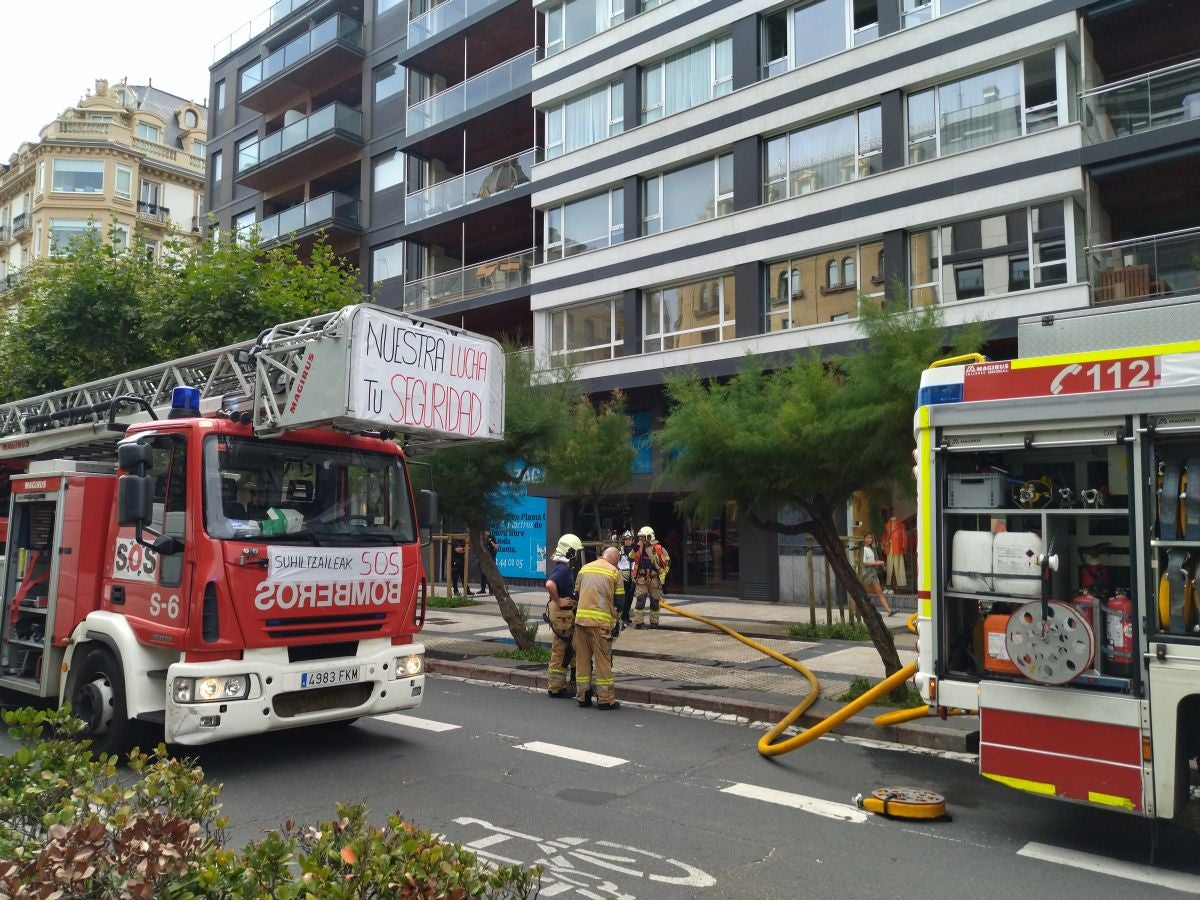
<point x="596" y="586"/>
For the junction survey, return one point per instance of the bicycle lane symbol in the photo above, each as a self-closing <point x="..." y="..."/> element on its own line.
<point x="568" y="865"/>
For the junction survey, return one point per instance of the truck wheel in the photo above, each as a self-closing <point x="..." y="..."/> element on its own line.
<point x="97" y="696"/>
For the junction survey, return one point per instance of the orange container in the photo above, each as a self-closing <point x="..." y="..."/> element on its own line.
<point x="995" y="653"/>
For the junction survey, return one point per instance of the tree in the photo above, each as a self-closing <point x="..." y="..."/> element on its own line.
<point x="99" y="308"/>
<point x="807" y="435"/>
<point x="596" y="456"/>
<point x="474" y="480"/>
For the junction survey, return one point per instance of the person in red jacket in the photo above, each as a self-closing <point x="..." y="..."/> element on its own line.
<point x="895" y="545"/>
<point x="650" y="565"/>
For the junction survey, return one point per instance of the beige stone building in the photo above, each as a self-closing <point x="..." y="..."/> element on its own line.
<point x="127" y="153"/>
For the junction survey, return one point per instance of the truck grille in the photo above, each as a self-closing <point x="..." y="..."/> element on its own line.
<point x="321" y="626"/>
<point x="344" y="696"/>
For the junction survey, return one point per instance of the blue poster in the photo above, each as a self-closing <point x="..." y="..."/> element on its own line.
<point x="522" y="536"/>
<point x="643" y="458"/>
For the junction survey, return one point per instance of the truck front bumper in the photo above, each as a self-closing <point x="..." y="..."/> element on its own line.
<point x="282" y="694"/>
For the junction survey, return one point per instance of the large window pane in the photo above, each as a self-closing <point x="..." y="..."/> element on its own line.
<point x="388" y="170"/>
<point x="387" y="262"/>
<point x="822" y="155"/>
<point x="688" y="79"/>
<point x="78" y="176"/>
<point x="389" y="80"/>
<point x="688" y="195"/>
<point x="585" y="225"/>
<point x="980" y="110"/>
<point x="820" y="30"/>
<point x="922" y="126"/>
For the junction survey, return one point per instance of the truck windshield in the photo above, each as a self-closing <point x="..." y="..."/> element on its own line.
<point x="304" y="493"/>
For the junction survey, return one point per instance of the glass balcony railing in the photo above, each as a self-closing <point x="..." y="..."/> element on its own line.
<point x="1155" y="266"/>
<point x="256" y="26"/>
<point x="478" y="184"/>
<point x="441" y="17"/>
<point x="334" y="29"/>
<point x="1143" y="102"/>
<point x="334" y="117"/>
<point x="470" y="281"/>
<point x="331" y="207"/>
<point x="473" y="92"/>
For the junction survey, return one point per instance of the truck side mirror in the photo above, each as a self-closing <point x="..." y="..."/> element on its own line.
<point x="134" y="500"/>
<point x="131" y="456"/>
<point x="167" y="545"/>
<point x="427" y="512"/>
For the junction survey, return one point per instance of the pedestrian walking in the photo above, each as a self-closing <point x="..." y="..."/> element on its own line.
<point x="895" y="545"/>
<point x="560" y="613"/>
<point x="628" y="550"/>
<point x="872" y="568"/>
<point x="492" y="547"/>
<point x="651" y="562"/>
<point x="595" y="617"/>
<point x="458" y="556"/>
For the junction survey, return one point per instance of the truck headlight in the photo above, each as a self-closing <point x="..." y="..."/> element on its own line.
<point x="407" y="666"/>
<point x="211" y="689"/>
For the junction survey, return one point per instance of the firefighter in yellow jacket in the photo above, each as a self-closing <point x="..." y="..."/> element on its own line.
<point x="595" y="615"/>
<point x="650" y="566"/>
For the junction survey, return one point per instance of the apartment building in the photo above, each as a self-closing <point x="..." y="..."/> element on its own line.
<point x="127" y="155"/>
<point x="723" y="178"/>
<point x="403" y="132"/>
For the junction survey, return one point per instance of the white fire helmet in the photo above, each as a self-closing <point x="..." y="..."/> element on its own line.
<point x="646" y="532"/>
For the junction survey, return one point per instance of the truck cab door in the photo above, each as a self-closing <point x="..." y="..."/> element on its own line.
<point x="152" y="589"/>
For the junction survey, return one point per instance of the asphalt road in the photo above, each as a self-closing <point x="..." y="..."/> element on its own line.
<point x="642" y="803"/>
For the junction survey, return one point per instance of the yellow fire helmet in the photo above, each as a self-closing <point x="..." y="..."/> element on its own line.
<point x="568" y="546"/>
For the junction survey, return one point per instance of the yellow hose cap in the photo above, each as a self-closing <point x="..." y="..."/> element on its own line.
<point x="903" y="803"/>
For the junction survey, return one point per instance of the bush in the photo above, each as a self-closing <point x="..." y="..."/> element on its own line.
<point x="454" y="602"/>
<point x="838" y="631"/>
<point x="904" y="697"/>
<point x="75" y="826"/>
<point x="538" y="654"/>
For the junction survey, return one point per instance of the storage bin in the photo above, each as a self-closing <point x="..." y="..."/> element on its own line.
<point x="971" y="561"/>
<point x="982" y="491"/>
<point x="1015" y="568"/>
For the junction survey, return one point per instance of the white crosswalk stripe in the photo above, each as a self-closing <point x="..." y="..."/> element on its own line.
<point x="1176" y="881"/>
<point x="414" y="722"/>
<point x="827" y="808"/>
<point x="583" y="756"/>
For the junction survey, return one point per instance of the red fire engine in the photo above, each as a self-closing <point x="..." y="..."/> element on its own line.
<point x="1059" y="538"/>
<point x="228" y="544"/>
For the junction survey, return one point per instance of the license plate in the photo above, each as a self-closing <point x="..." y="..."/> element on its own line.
<point x="329" y="677"/>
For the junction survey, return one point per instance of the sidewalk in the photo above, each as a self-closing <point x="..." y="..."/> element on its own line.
<point x="685" y="665"/>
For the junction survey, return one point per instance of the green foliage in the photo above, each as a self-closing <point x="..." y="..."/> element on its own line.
<point x="836" y="631"/>
<point x="455" y="602"/>
<point x="73" y="827"/>
<point x="537" y="654"/>
<point x="904" y="697"/>
<point x="596" y="455"/>
<point x="97" y="310"/>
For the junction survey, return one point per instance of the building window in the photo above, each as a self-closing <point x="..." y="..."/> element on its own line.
<point x="220" y="92"/>
<point x="983" y="109"/>
<point x="64" y="233"/>
<point x="120" y="238"/>
<point x="687" y="79"/>
<point x="577" y="20"/>
<point x="41" y="178"/>
<point x="389" y="80"/>
<point x="388" y="170"/>
<point x="585" y="120"/>
<point x="587" y="224"/>
<point x="695" y="193"/>
<point x="823" y="155"/>
<point x="686" y="315"/>
<point x="100" y="117"/>
<point x="989" y="255"/>
<point x="78" y="176"/>
<point x="190" y="119"/>
<point x="148" y="132"/>
<point x="803" y="33"/>
<point x="124" y="186"/>
<point x="151" y="248"/>
<point x="387" y="262"/>
<point x="148" y="196"/>
<point x="588" y="332"/>
<point x="199" y="148"/>
<point x="243" y="226"/>
<point x="218" y="165"/>
<point x="914" y="12"/>
<point x="821" y="287"/>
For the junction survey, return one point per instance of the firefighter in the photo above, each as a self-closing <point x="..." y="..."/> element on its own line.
<point x="625" y="591"/>
<point x="651" y="562"/>
<point x="595" y="617"/>
<point x="560" y="613"/>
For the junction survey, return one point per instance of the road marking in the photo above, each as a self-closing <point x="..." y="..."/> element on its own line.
<point x="1176" y="881"/>
<point x="583" y="756"/>
<point x="414" y="722"/>
<point x="814" y="805"/>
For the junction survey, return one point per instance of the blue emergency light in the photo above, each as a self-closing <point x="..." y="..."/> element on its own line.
<point x="185" y="402"/>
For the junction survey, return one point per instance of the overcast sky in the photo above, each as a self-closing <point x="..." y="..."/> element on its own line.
<point x="54" y="50"/>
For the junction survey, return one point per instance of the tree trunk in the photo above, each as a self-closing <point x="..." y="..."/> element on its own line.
<point x="596" y="515"/>
<point x="825" y="531"/>
<point x="513" y="615"/>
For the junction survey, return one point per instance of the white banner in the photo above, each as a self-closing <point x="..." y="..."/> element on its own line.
<point x="315" y="565"/>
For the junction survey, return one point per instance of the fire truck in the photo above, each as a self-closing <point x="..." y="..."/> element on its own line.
<point x="1058" y="546"/>
<point x="229" y="544"/>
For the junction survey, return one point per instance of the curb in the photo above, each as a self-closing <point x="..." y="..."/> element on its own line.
<point x="930" y="734"/>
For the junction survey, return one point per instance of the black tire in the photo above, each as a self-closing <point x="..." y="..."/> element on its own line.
<point x="96" y="693"/>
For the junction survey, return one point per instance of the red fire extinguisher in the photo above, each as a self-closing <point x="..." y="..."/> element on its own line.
<point x="1118" y="635"/>
<point x="1085" y="601"/>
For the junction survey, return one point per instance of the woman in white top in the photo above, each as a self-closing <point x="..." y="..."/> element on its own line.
<point x="872" y="569"/>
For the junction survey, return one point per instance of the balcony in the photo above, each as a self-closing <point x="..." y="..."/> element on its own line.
<point x="1142" y="103"/>
<point x="1160" y="265"/>
<point x="310" y="143"/>
<point x="85" y="130"/>
<point x="152" y="212"/>
<point x="479" y="184"/>
<point x="176" y="157"/>
<point x="4" y="234"/>
<point x="477" y="280"/>
<point x="330" y="211"/>
<point x="443" y="16"/>
<point x="10" y="281"/>
<point x="454" y="101"/>
<point x="20" y="223"/>
<point x="316" y="59"/>
<point x="256" y="26"/>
